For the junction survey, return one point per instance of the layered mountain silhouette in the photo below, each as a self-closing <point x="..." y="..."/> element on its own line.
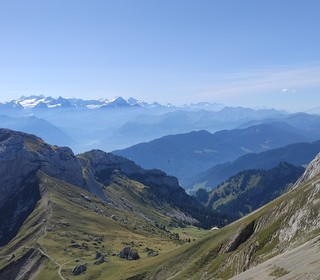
<point x="250" y="189"/>
<point x="296" y="154"/>
<point x="186" y="155"/>
<point x="105" y="217"/>
<point x="119" y="122"/>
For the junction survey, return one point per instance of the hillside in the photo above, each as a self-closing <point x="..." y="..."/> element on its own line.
<point x="267" y="244"/>
<point x="65" y="228"/>
<point x="250" y="189"/>
<point x="59" y="210"/>
<point x="296" y="154"/>
<point x="185" y="155"/>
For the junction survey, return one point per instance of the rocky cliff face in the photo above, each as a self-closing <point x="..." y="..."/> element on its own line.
<point x="21" y="157"/>
<point x="22" y="154"/>
<point x="311" y="172"/>
<point x="281" y="225"/>
<point x="102" y="165"/>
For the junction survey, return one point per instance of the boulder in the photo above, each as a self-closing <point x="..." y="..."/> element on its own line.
<point x="100" y="260"/>
<point x="98" y="255"/>
<point x="80" y="268"/>
<point x="151" y="252"/>
<point x="129" y="254"/>
<point x="134" y="255"/>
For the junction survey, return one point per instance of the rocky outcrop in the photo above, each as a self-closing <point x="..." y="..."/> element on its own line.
<point x="241" y="237"/>
<point x="25" y="267"/>
<point x="151" y="252"/>
<point x="280" y="226"/>
<point x="160" y="187"/>
<point x="312" y="170"/>
<point x="99" y="258"/>
<point x="103" y="164"/>
<point x="129" y="254"/>
<point x="21" y="154"/>
<point x="21" y="157"/>
<point x="17" y="207"/>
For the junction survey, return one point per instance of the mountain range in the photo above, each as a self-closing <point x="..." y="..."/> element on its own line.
<point x="299" y="154"/>
<point x="187" y="155"/>
<point x="118" y="123"/>
<point x="34" y="102"/>
<point x="112" y="125"/>
<point x="96" y="215"/>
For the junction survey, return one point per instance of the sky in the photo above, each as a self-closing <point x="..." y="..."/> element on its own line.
<point x="249" y="53"/>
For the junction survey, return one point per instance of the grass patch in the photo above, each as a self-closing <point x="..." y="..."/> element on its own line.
<point x="190" y="232"/>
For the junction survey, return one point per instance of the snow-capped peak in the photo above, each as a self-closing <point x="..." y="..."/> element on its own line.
<point x="34" y="102"/>
<point x="30" y="102"/>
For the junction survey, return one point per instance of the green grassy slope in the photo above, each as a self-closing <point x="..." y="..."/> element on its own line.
<point x="250" y="189"/>
<point x="69" y="225"/>
<point x="281" y="225"/>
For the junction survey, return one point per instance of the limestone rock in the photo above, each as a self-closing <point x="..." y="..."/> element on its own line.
<point x="129" y="254"/>
<point x="79" y="269"/>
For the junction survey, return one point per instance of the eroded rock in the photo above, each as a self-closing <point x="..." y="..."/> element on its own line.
<point x="79" y="269"/>
<point x="129" y="254"/>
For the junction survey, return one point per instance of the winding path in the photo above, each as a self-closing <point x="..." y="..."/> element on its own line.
<point x="44" y="232"/>
<point x="51" y="259"/>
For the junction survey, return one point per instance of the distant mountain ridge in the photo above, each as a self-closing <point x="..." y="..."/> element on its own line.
<point x="250" y="189"/>
<point x="297" y="154"/>
<point x="34" y="125"/>
<point x="186" y="155"/>
<point x="119" y="123"/>
<point x="33" y="102"/>
<point x="40" y="101"/>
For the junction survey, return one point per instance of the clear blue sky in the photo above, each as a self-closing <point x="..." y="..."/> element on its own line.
<point x="239" y="52"/>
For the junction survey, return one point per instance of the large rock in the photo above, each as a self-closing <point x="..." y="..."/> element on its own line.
<point x="80" y="268"/>
<point x="129" y="254"/>
<point x="100" y="258"/>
